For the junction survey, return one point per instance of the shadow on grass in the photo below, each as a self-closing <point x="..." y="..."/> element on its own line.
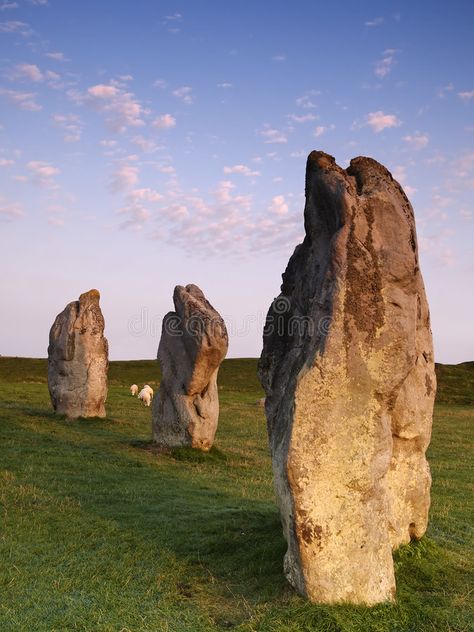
<point x="190" y="455"/>
<point x="226" y="541"/>
<point x="216" y="531"/>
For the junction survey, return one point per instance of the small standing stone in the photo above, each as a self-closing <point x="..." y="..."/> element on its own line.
<point x="193" y="344"/>
<point x="78" y="359"/>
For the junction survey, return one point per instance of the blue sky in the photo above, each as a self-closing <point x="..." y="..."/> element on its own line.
<point x="148" y="144"/>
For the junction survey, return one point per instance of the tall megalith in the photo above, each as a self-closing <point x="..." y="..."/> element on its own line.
<point x="193" y="344"/>
<point x="347" y="368"/>
<point x="78" y="359"/>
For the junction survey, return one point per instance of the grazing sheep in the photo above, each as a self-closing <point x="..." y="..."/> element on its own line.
<point x="134" y="390"/>
<point x="145" y="396"/>
<point x="149" y="389"/>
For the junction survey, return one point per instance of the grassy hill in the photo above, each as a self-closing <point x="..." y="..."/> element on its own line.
<point x="455" y="381"/>
<point x="99" y="533"/>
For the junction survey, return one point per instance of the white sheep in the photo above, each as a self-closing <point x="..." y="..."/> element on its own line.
<point x="149" y="389"/>
<point x="134" y="390"/>
<point x="145" y="396"/>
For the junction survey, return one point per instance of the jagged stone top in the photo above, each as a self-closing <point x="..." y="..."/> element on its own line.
<point x="364" y="172"/>
<point x="190" y="302"/>
<point x="363" y="165"/>
<point x="92" y="296"/>
<point x="190" y="299"/>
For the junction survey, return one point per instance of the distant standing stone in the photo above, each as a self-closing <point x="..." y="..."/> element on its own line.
<point x="78" y="359"/>
<point x="193" y="344"/>
<point x="347" y="367"/>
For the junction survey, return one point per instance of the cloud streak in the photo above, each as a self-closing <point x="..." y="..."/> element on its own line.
<point x="243" y="170"/>
<point x="184" y="94"/>
<point x="417" y="141"/>
<point x="22" y="100"/>
<point x="384" y="66"/>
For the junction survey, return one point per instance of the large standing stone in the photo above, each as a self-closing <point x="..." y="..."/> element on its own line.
<point x="193" y="344"/>
<point x="347" y="367"/>
<point x="78" y="359"/>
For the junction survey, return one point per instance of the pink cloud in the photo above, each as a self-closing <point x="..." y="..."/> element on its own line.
<point x="417" y="140"/>
<point x="22" y="100"/>
<point x="379" y="121"/>
<point x="243" y="170"/>
<point x="43" y="173"/>
<point x="164" y="121"/>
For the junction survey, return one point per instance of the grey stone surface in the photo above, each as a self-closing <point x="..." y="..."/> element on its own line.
<point x="78" y="359"/>
<point x="348" y="371"/>
<point x="193" y="344"/>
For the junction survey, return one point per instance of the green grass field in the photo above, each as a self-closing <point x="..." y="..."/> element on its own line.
<point x="99" y="533"/>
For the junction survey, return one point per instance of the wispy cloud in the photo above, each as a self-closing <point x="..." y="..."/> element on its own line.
<point x="443" y="91"/>
<point x="375" y="22"/>
<point x="5" y="162"/>
<point x="120" y="108"/>
<point x="57" y="56"/>
<point x="15" y="26"/>
<point x="278" y="205"/>
<point x="272" y="135"/>
<point x="379" y="121"/>
<point x="384" y="66"/>
<point x="243" y="170"/>
<point x="10" y="210"/>
<point x="279" y="57"/>
<point x="109" y="143"/>
<point x="146" y="194"/>
<point x="21" y="100"/>
<point x="26" y="72"/>
<point x="43" y="173"/>
<point x="6" y="6"/>
<point x="185" y="94"/>
<point x="467" y="95"/>
<point x="164" y="121"/>
<point x="306" y="101"/>
<point x="322" y="129"/>
<point x="71" y="124"/>
<point x="138" y="207"/>
<point x="301" y="118"/>
<point x="224" y="84"/>
<point x="147" y="145"/>
<point x="417" y="140"/>
<point x="159" y="83"/>
<point x="174" y="17"/>
<point x="124" y="177"/>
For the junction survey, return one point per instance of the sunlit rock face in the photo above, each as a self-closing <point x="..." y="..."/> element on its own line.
<point x="347" y="367"/>
<point x="78" y="359"/>
<point x="193" y="344"/>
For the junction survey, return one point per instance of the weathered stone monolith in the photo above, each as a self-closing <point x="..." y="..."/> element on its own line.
<point x="193" y="344"/>
<point x="78" y="359"/>
<point x="347" y="367"/>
